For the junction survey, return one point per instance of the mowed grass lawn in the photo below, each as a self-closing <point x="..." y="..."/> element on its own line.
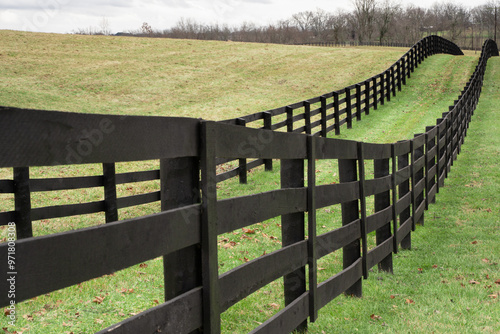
<point x="220" y="80"/>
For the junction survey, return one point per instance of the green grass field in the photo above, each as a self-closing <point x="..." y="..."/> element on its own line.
<point x="445" y="284"/>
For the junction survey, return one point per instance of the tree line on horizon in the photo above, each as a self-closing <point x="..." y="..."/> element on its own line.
<point x="381" y="22"/>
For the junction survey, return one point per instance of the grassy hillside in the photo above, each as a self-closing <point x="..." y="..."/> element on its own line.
<point x="218" y="80"/>
<point x="141" y="76"/>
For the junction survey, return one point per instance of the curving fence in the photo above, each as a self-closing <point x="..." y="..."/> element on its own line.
<point x="323" y="114"/>
<point x="407" y="176"/>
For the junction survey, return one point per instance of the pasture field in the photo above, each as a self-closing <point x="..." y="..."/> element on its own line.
<point x="220" y="80"/>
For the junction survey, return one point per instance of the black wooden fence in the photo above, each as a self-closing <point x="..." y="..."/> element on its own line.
<point x="408" y="175"/>
<point x="323" y="114"/>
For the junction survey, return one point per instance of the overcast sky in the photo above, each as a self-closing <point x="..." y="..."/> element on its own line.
<point x="66" y="16"/>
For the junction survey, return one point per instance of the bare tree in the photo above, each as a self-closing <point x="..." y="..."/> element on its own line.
<point x="385" y="17"/>
<point x="364" y="14"/>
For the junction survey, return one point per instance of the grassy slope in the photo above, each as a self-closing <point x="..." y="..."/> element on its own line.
<point x="74" y="308"/>
<point x="212" y="80"/>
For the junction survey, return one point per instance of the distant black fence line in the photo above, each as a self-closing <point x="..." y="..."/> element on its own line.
<point x="326" y="113"/>
<point x="407" y="176"/>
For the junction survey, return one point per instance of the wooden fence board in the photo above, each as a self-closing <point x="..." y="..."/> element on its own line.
<point x="338" y="238"/>
<point x="56" y="261"/>
<point x="378" y="185"/>
<point x="376" y="151"/>
<point x="238" y="142"/>
<point x="125" y="202"/>
<point x="403" y="203"/>
<point x="6" y="186"/>
<point x="403" y="175"/>
<point x="331" y="194"/>
<point x="67" y="210"/>
<point x="7" y="217"/>
<point x="287" y="319"/>
<point x="378" y="253"/>
<point x="330" y="148"/>
<point x="335" y="285"/>
<point x="253" y="275"/>
<point x="66" y="183"/>
<point x="71" y="138"/>
<point x="404" y="229"/>
<point x="401" y="148"/>
<point x="242" y="211"/>
<point x="148" y="175"/>
<point x="182" y="314"/>
<point x="378" y="219"/>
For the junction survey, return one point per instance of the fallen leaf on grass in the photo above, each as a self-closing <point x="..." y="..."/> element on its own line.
<point x="410" y="301"/>
<point x="473" y="282"/>
<point x="248" y="231"/>
<point x="375" y="317"/>
<point x="274" y="305"/>
<point x="493" y="296"/>
<point x="486" y="260"/>
<point x="497" y="281"/>
<point x="143" y="265"/>
<point x="98" y="299"/>
<point x="229" y="245"/>
<point x="474" y="242"/>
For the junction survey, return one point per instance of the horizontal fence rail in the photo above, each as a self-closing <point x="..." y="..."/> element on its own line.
<point x="407" y="176"/>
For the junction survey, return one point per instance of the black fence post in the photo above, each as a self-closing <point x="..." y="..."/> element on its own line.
<point x="382" y="201"/>
<point x="398" y="75"/>
<point x="109" y="180"/>
<point x="404" y="188"/>
<point x="348" y="103"/>
<point x="242" y="162"/>
<point x="388" y="85"/>
<point x="268" y="163"/>
<point x="382" y="88"/>
<point x="430" y="163"/>
<point x="324" y="132"/>
<point x="180" y="186"/>
<point x="311" y="227"/>
<point x="393" y="82"/>
<point x="307" y="116"/>
<point x="394" y="198"/>
<point x="22" y="202"/>
<point x="209" y="259"/>
<point x="362" y="202"/>
<point x="292" y="231"/>
<point x="405" y="71"/>
<point x="417" y="176"/>
<point x="350" y="213"/>
<point x="411" y="65"/>
<point x="367" y="97"/>
<point x="358" y="102"/>
<point x="336" y="108"/>
<point x="289" y="119"/>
